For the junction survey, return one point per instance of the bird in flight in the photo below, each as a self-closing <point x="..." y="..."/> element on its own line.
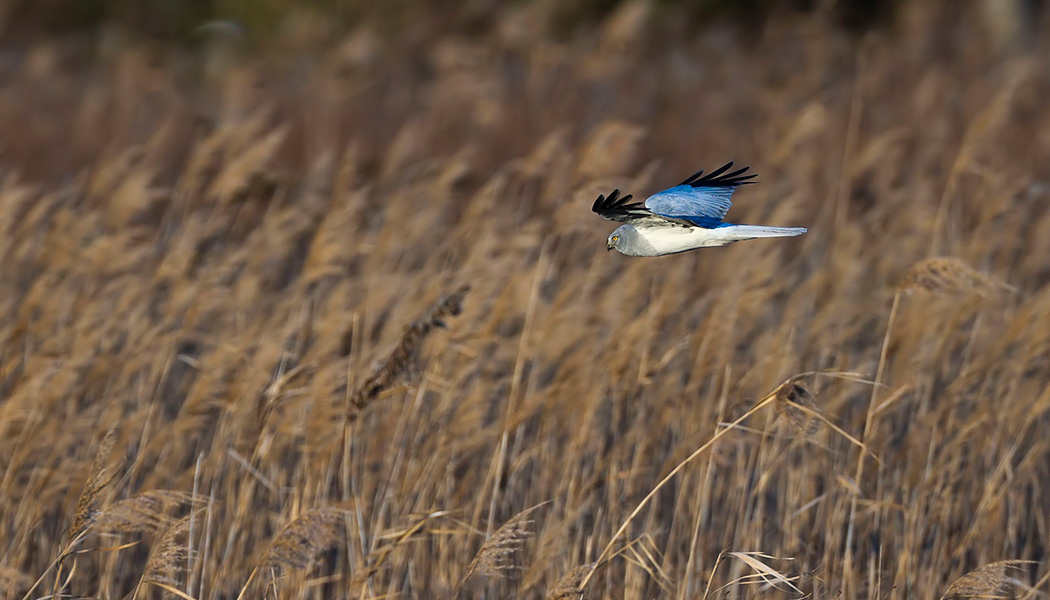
<point x="685" y="217"/>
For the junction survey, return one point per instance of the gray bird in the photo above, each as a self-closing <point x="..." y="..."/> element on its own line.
<point x="684" y="217"/>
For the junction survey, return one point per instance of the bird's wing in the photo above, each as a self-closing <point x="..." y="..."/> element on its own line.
<point x="620" y="208"/>
<point x="701" y="199"/>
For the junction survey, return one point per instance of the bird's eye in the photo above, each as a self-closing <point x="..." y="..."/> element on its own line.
<point x="616" y="238"/>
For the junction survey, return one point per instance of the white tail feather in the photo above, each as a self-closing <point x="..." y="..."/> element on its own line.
<point x="750" y="232"/>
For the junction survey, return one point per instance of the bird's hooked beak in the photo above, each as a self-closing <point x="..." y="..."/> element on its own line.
<point x="608" y="246"/>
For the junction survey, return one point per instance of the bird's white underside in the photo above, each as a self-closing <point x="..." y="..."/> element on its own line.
<point x="669" y="240"/>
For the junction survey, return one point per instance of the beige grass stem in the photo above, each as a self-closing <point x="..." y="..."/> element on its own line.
<point x="868" y="419"/>
<point x="764" y="402"/>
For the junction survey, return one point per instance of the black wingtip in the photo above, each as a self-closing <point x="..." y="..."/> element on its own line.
<point x="616" y="207"/>
<point x="692" y="177"/>
<point x="598" y="203"/>
<point x="714" y="174"/>
<point x="719" y="177"/>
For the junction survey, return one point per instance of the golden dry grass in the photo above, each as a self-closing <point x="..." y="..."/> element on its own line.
<point x="242" y="271"/>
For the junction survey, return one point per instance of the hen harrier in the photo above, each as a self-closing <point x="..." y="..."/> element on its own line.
<point x="681" y="218"/>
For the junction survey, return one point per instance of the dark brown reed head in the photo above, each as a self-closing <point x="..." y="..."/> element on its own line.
<point x="400" y="360"/>
<point x="297" y="544"/>
<point x="13" y="582"/>
<point x="950" y="276"/>
<point x="789" y="399"/>
<point x="569" y="584"/>
<point x="496" y="555"/>
<point x="989" y="581"/>
<point x="168" y="557"/>
<point x="91" y="496"/>
<point x="144" y="512"/>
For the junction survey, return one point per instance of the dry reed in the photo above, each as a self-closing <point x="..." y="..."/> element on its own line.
<point x="950" y="276"/>
<point x="147" y="511"/>
<point x="99" y="478"/>
<point x="568" y="586"/>
<point x="14" y="582"/>
<point x="168" y="557"/>
<point x="297" y="544"/>
<point x="403" y="355"/>
<point x="988" y="581"/>
<point x="788" y="399"/>
<point x="498" y="551"/>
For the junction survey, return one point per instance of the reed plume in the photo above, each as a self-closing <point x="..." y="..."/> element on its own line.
<point x="401" y="358"/>
<point x="950" y="276"/>
<point x="144" y="512"/>
<point x="496" y="555"/>
<point x="568" y="586"/>
<point x="988" y="581"/>
<point x="789" y="398"/>
<point x="100" y="476"/>
<point x="297" y="544"/>
<point x="13" y="582"/>
<point x="167" y="559"/>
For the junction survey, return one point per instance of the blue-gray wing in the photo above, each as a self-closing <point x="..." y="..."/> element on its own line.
<point x="701" y="200"/>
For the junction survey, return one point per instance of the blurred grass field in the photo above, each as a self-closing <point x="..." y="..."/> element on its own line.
<point x="223" y="371"/>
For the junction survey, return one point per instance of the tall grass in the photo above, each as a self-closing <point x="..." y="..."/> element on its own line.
<point x="251" y="272"/>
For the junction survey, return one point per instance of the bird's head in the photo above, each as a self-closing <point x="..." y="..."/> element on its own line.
<point x="619" y="238"/>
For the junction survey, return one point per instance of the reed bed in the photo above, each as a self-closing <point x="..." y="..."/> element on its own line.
<point x="352" y="330"/>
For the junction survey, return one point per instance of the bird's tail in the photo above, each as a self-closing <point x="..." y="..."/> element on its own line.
<point x="750" y="232"/>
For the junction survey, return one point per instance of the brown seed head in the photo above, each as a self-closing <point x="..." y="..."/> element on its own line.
<point x="145" y="511"/>
<point x="400" y="360"/>
<point x="496" y="555"/>
<point x="168" y="557"/>
<point x="101" y="475"/>
<point x="950" y="276"/>
<point x="989" y="581"/>
<point x="569" y="584"/>
<point x="300" y="540"/>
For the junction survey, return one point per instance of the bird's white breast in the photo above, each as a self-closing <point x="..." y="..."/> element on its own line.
<point x="668" y="240"/>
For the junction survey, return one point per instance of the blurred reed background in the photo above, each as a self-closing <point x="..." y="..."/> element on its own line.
<point x="306" y="300"/>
